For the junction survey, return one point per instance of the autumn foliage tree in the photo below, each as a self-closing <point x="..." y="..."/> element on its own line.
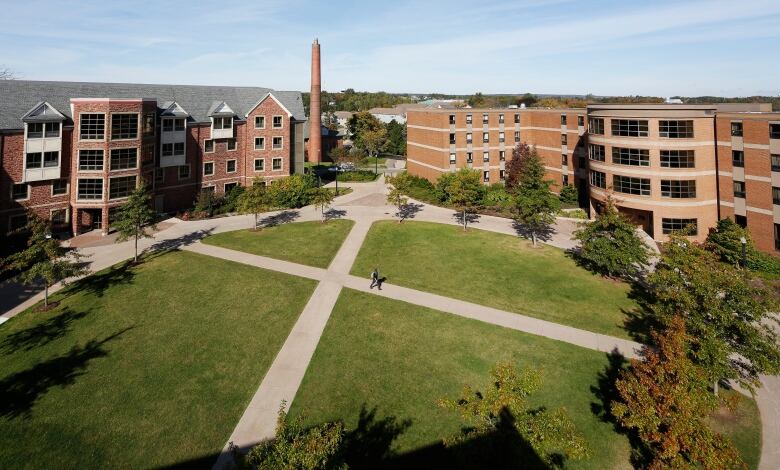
<point x="664" y="398"/>
<point x="514" y="167"/>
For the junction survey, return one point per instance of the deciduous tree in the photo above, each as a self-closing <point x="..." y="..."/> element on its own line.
<point x="44" y="259"/>
<point x="399" y="186"/>
<point x="536" y="204"/>
<point x="664" y="398"/>
<point x="464" y="192"/>
<point x="135" y="217"/>
<point x="255" y="199"/>
<point x="322" y="198"/>
<point x="513" y="167"/>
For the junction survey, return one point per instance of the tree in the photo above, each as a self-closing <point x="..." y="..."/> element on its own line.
<point x="299" y="447"/>
<point x="464" y="192"/>
<point x="396" y="138"/>
<point x="360" y="124"/>
<point x="610" y="244"/>
<point x="569" y="194"/>
<point x="322" y="198"/>
<point x="373" y="141"/>
<point x="43" y="259"/>
<point x="476" y="100"/>
<point x="727" y="315"/>
<point x="135" y="216"/>
<point x="255" y="199"/>
<point x="664" y="398"/>
<point x="514" y="166"/>
<point x="291" y="191"/>
<point x="399" y="186"/>
<point x="504" y="407"/>
<point x="536" y="204"/>
<point x="726" y="241"/>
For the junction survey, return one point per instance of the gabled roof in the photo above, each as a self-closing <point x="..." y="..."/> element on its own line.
<point x="221" y="109"/>
<point x="43" y="112"/>
<point x="271" y="95"/>
<point x="17" y="97"/>
<point x="172" y="109"/>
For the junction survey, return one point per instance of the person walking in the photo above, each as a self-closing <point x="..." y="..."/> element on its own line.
<point x="375" y="279"/>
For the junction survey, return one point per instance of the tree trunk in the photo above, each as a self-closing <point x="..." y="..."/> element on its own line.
<point x="46" y="294"/>
<point x="255" y="227"/>
<point x="135" y="259"/>
<point x="716" y="388"/>
<point x="464" y="220"/>
<point x="533" y="236"/>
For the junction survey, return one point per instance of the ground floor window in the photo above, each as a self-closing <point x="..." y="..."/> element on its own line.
<point x="502" y="175"/>
<point x="59" y="216"/>
<point x="229" y="187"/>
<point x="675" y="225"/>
<point x="184" y="172"/>
<point x="777" y="236"/>
<point x="276" y="164"/>
<point x="121" y="187"/>
<point x="486" y="176"/>
<point x="741" y="220"/>
<point x="17" y="222"/>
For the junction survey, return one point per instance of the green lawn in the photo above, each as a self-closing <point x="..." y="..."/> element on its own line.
<point x="496" y="270"/>
<point x="142" y="367"/>
<point x="395" y="360"/>
<point x="310" y="243"/>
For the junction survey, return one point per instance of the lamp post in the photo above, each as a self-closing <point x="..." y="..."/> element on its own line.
<point x="376" y="163"/>
<point x="743" y="240"/>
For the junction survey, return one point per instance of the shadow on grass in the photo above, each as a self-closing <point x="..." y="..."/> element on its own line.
<point x="176" y="243"/>
<point x="543" y="233"/>
<point x="41" y="333"/>
<point x="283" y="217"/>
<point x="21" y="390"/>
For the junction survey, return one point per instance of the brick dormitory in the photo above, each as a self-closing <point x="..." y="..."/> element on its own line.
<point x="72" y="152"/>
<point x="667" y="166"/>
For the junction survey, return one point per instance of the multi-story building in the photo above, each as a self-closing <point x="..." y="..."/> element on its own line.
<point x="72" y="152"/>
<point x="667" y="166"/>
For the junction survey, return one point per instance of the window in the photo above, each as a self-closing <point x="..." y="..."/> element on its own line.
<point x="171" y="125"/>
<point x="675" y="225"/>
<point x="468" y="119"/>
<point x="596" y="152"/>
<point x="775" y="195"/>
<point x="208" y="168"/>
<point x="208" y="146"/>
<point x="184" y="172"/>
<point x="452" y="138"/>
<point x="564" y="139"/>
<point x="259" y="143"/>
<point x="276" y="164"/>
<point x="452" y="159"/>
<point x="452" y="119"/>
<point x="565" y="180"/>
<point x="500" y="118"/>
<point x="596" y="126"/>
<point x="486" y="157"/>
<point x="738" y="158"/>
<point x="33" y="160"/>
<point x="580" y="121"/>
<point x="209" y="189"/>
<point x="90" y="160"/>
<point x="124" y="159"/>
<point x="178" y="148"/>
<point x="598" y="179"/>
<point x="629" y="128"/>
<point x="223" y="123"/>
<point x="633" y="157"/>
<point x="124" y="126"/>
<point x="230" y="166"/>
<point x="167" y="125"/>
<point x="231" y="144"/>
<point x="469" y="157"/>
<point x="517" y="136"/>
<point x="276" y="143"/>
<point x="563" y="119"/>
<point x="90" y="188"/>
<point x="501" y="137"/>
<point x="775" y="159"/>
<point x="59" y="187"/>
<point x="20" y="191"/>
<point x="777" y="236"/>
<point x="469" y="138"/>
<point x="121" y="187"/>
<point x="739" y="189"/>
<point x="677" y="159"/>
<point x="485" y="118"/>
<point x="58" y="216"/>
<point x="736" y="128"/>
<point x="774" y="131"/>
<point x="229" y="187"/>
<point x="147" y="153"/>
<point x="51" y="159"/>
<point x="502" y="155"/>
<point x="564" y="159"/>
<point x="629" y="185"/>
<point x="259" y="122"/>
<point x="169" y="150"/>
<point x="92" y="126"/>
<point x="259" y="164"/>
<point x="159" y="175"/>
<point x="485" y="137"/>
<point x="676" y="129"/>
<point x="277" y="122"/>
<point x="502" y="175"/>
<point x="17" y="222"/>
<point x="675" y="189"/>
<point x="741" y="220"/>
<point x="35" y="130"/>
<point x="517" y="119"/>
<point x="149" y="121"/>
<point x="486" y="176"/>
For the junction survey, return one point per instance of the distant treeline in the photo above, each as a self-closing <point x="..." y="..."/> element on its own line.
<point x="354" y="101"/>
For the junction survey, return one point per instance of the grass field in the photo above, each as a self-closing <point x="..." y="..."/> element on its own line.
<point x="394" y="360"/>
<point x="495" y="270"/>
<point x="142" y="367"/>
<point x="310" y="243"/>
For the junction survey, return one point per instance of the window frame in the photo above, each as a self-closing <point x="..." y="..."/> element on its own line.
<point x="235" y="145"/>
<point x="273" y="164"/>
<point x="678" y="189"/>
<point x="63" y="193"/>
<point x="262" y="164"/>
<point x="486" y="157"/>
<point x="679" y="224"/>
<point x="34" y="134"/>
<point x="629" y="156"/>
<point x="738" y="162"/>
<point x="281" y="121"/>
<point x="227" y="166"/>
<point x="774" y="130"/>
<point x="629" y="127"/>
<point x="102" y="135"/>
<point x="636" y="186"/>
<point x="211" y="173"/>
<point x="65" y="217"/>
<point x="672" y="129"/>
<point x="222" y="120"/>
<point x="188" y="175"/>
<point x="596" y="177"/>
<point x="261" y="118"/>
<point x="602" y="153"/>
<point x="206" y="143"/>
<point x="102" y="160"/>
<point x="774" y="157"/>
<point x="262" y="140"/>
<point x="78" y="189"/>
<point x="453" y="159"/>
<point x="273" y="143"/>
<point x="737" y="129"/>
<point x="741" y="193"/>
<point x="112" y="179"/>
<point x="596" y="126"/>
<point x="668" y="157"/>
<point x="119" y="151"/>
<point x="126" y="134"/>
<point x="26" y="192"/>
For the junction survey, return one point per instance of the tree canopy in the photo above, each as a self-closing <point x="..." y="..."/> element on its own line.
<point x="135" y="217"/>
<point x="255" y="199"/>
<point x="463" y="190"/>
<point x="536" y="204"/>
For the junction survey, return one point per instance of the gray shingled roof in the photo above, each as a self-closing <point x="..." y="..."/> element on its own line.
<point x="17" y="97"/>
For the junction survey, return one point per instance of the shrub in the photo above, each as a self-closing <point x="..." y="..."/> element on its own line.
<point x="443" y="185"/>
<point x="230" y="201"/>
<point x="207" y="202"/>
<point x="291" y="191"/>
<point x="418" y="188"/>
<point x="569" y="194"/>
<point x="357" y="176"/>
<point x="497" y="197"/>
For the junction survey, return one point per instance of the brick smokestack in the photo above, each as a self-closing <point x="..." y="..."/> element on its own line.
<point x="315" y="108"/>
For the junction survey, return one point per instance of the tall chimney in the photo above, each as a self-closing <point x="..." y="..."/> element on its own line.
<point x="315" y="109"/>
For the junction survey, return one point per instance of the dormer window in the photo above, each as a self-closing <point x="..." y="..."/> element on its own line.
<point x="223" y="123"/>
<point x="38" y="130"/>
<point x="173" y="125"/>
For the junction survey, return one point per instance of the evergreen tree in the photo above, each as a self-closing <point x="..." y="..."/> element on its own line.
<point x="44" y="259"/>
<point x="255" y="199"/>
<point x="536" y="204"/>
<point x="135" y="217"/>
<point x="610" y="244"/>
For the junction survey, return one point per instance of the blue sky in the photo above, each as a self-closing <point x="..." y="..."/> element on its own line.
<point x="656" y="47"/>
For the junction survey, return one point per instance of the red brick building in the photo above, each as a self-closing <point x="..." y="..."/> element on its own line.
<point x="72" y="152"/>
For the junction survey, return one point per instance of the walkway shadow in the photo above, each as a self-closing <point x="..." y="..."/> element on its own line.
<point x="543" y="234"/>
<point x="332" y="214"/>
<point x="176" y="243"/>
<point x="409" y="211"/>
<point x="471" y="217"/>
<point x="20" y="391"/>
<point x="41" y="333"/>
<point x="283" y="217"/>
